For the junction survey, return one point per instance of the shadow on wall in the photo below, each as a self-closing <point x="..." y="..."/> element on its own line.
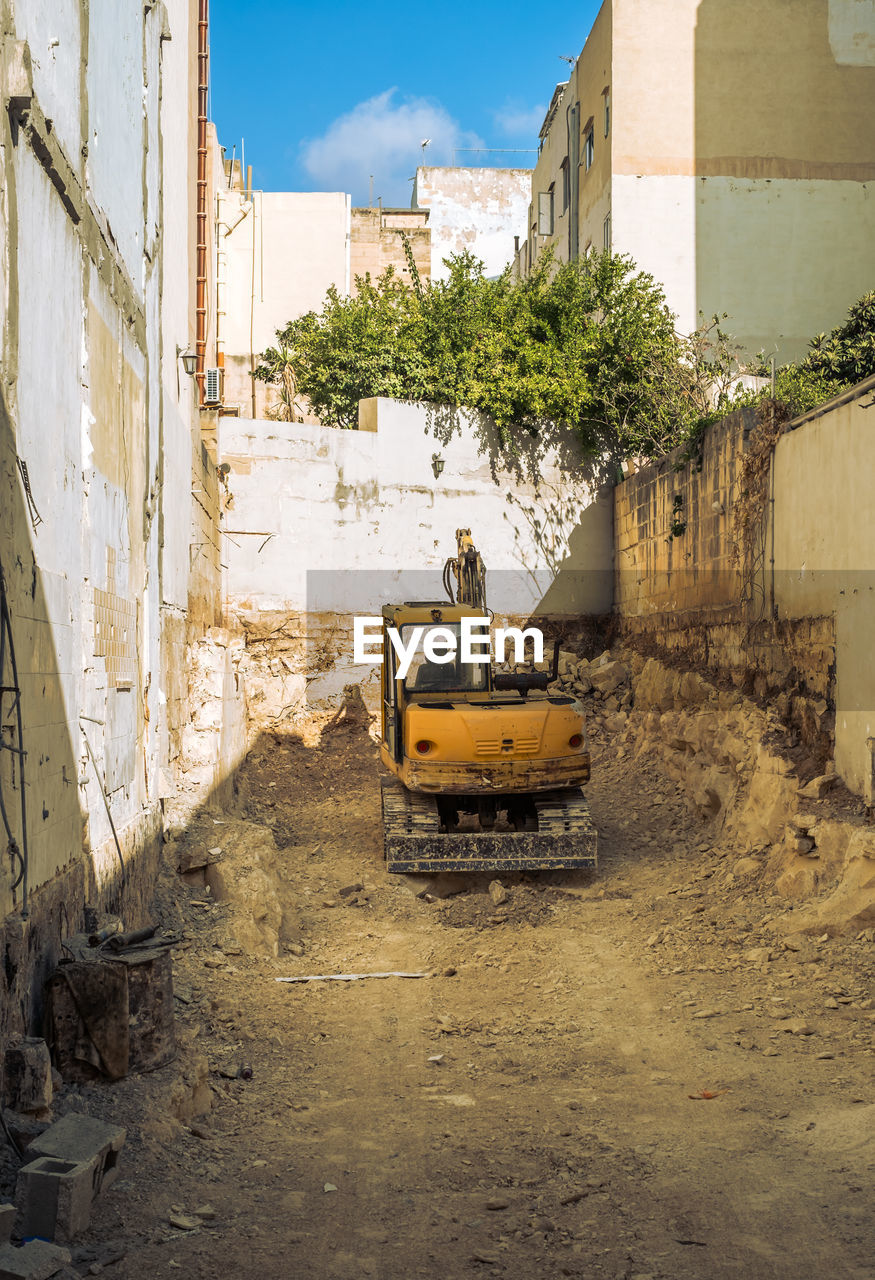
<point x="60" y="871"/>
<point x="524" y="453"/>
<point x="572" y="571"/>
<point x="573" y="541"/>
<point x="774" y="179"/>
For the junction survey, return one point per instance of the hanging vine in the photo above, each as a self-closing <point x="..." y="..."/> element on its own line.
<point x="750" y="507"/>
<point x="415" y="278"/>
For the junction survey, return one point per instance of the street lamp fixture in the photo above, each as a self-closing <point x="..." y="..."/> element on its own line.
<point x="189" y="361"/>
<point x="437" y="464"/>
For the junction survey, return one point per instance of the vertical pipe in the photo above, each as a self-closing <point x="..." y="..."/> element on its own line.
<point x="252" y="316"/>
<point x="572" y="117"/>
<point x="221" y="281"/>
<point x="201" y="291"/>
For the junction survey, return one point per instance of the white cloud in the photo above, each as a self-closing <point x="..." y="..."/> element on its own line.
<point x="383" y="137"/>
<point x="520" y="122"/>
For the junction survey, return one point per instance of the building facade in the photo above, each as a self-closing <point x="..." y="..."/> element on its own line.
<point x="479" y="210"/>
<point x="276" y="255"/>
<point x="105" y="486"/>
<point x="729" y="151"/>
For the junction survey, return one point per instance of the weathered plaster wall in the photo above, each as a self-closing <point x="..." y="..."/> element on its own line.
<point x="96" y="302"/>
<point x="475" y="209"/>
<point x="351" y="510"/>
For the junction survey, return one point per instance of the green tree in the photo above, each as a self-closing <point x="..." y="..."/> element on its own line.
<point x="834" y="363"/>
<point x="589" y="345"/>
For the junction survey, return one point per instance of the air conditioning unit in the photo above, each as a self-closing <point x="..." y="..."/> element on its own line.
<point x="213" y="386"/>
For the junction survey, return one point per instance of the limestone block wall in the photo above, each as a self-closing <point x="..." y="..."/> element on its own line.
<point x="673" y="527"/>
<point x="375" y="242"/>
<point x="804" y="637"/>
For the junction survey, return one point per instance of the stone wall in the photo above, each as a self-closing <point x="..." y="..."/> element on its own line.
<point x="673" y="528"/>
<point x="750" y="790"/>
<point x="375" y="243"/>
<point x="795" y="629"/>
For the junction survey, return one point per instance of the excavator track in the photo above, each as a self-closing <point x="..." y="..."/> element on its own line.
<point x="414" y="842"/>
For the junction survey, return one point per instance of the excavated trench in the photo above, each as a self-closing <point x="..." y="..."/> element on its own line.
<point x="656" y="1070"/>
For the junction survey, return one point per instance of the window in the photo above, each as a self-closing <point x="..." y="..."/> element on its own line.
<point x="545" y="212"/>
<point x="588" y="146"/>
<point x="454" y="675"/>
<point x="566" y="185"/>
<point x="606" y="94"/>
<point x="607" y="231"/>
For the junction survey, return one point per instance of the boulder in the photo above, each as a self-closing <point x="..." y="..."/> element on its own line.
<point x="608" y="677"/>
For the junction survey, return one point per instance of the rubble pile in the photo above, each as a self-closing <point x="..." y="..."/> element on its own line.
<point x="744" y="777"/>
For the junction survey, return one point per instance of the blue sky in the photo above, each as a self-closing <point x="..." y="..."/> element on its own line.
<point x="325" y="95"/>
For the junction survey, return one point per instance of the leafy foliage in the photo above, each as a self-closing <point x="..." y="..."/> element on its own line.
<point x="588" y="345"/>
<point x="847" y="356"/>
<point x="833" y="363"/>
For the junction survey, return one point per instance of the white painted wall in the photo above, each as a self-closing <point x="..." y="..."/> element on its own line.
<point x="654" y="220"/>
<point x="476" y="209"/>
<point x="852" y="32"/>
<point x="300" y="240"/>
<point x="52" y="30"/>
<point x="758" y="250"/>
<point x="116" y="159"/>
<point x="342" y="521"/>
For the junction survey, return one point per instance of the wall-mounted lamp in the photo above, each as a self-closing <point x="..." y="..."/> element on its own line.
<point x="437" y="464"/>
<point x="189" y="361"/>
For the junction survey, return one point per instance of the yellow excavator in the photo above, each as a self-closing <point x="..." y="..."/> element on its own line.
<point x="481" y="777"/>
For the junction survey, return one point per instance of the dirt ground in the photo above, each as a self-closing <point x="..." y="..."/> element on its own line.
<point x="624" y="1074"/>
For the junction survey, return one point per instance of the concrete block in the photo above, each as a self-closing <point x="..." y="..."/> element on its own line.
<point x="54" y="1197"/>
<point x="36" y="1260"/>
<point x="80" y="1139"/>
<point x="28" y="1075"/>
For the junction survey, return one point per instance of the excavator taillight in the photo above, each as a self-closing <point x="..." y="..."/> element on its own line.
<point x="575" y="740"/>
<point x="423" y="747"/>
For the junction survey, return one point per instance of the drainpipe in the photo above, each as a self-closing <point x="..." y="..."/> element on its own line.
<point x="201" y="292"/>
<point x="221" y="281"/>
<point x="572" y="126"/>
<point x="229" y="214"/>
